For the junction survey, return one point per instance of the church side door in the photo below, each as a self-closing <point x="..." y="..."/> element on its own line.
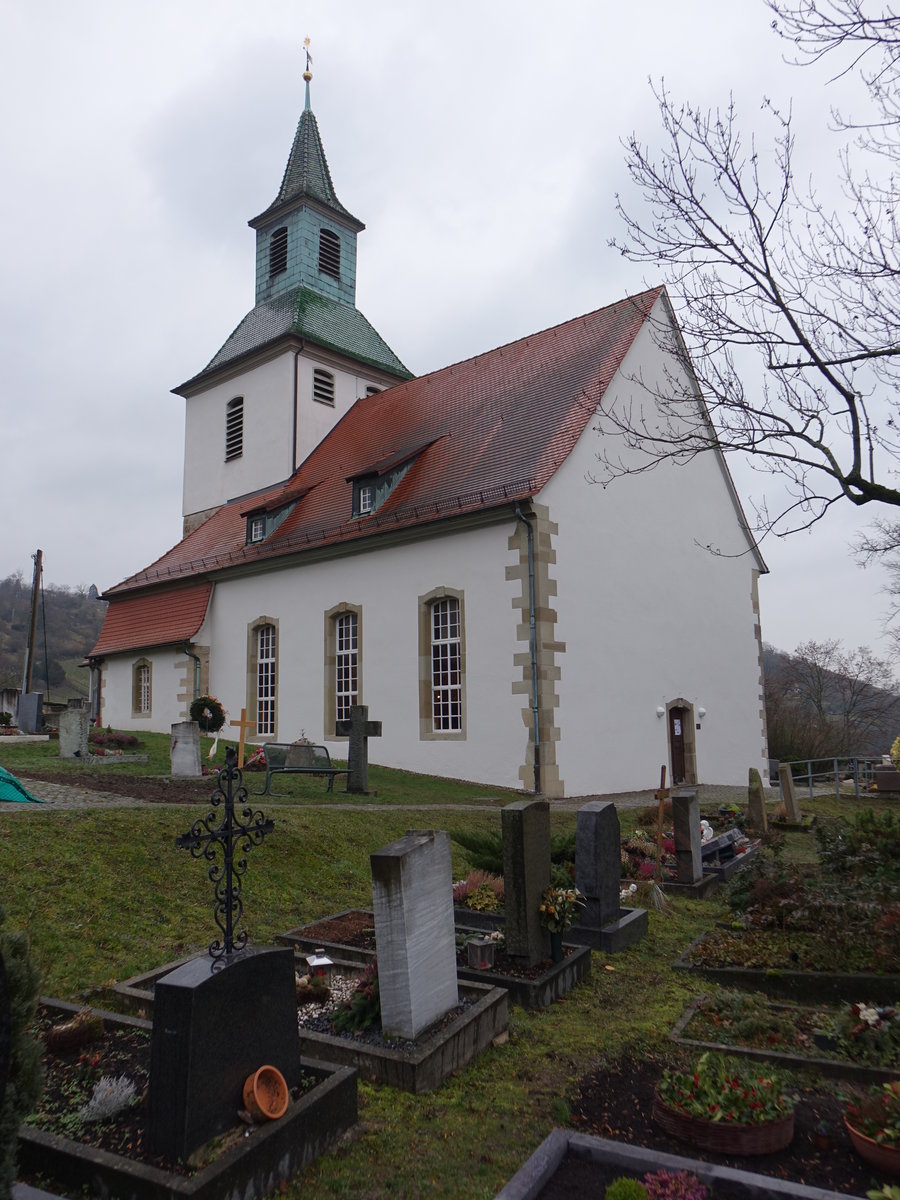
<point x="677" y="718"/>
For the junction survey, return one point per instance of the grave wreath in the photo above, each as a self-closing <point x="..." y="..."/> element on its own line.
<point x="208" y="713"/>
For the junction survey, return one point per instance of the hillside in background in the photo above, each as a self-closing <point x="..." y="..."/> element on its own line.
<point x="72" y="618"/>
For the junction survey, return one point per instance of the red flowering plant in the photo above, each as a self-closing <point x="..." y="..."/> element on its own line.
<point x="878" y="1115"/>
<point x="716" y="1090"/>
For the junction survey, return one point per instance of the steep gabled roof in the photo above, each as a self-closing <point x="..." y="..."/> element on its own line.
<point x="154" y="618"/>
<point x="309" y="315"/>
<point x="491" y="430"/>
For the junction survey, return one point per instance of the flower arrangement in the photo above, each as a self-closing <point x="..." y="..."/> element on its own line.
<point x="878" y="1115"/>
<point x="559" y="908"/>
<point x="208" y="713"/>
<point x="869" y="1033"/>
<point x="715" y="1091"/>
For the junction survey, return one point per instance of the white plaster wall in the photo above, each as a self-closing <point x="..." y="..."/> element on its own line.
<point x="649" y="615"/>
<point x="165" y="684"/>
<point x="386" y="585"/>
<point x="268" y="392"/>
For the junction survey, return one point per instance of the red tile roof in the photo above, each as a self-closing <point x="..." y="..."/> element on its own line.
<point x="154" y="618"/>
<point x="491" y="430"/>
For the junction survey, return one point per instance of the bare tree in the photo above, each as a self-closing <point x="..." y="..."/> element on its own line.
<point x="756" y="264"/>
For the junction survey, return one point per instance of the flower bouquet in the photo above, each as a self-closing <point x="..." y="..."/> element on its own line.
<point x="869" y="1033"/>
<point x="559" y="908"/>
<point x="717" y="1107"/>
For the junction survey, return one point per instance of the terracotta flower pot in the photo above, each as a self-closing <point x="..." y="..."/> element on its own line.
<point x="725" y="1137"/>
<point x="266" y="1094"/>
<point x="882" y="1157"/>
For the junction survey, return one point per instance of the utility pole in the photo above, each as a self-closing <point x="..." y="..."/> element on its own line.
<point x="32" y="628"/>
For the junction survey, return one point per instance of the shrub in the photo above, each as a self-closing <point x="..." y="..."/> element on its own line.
<point x="364" y="1006"/>
<point x="5" y="718"/>
<point x="18" y="1001"/>
<point x="867" y="846"/>
<point x="625" y="1188"/>
<point x="674" y="1185"/>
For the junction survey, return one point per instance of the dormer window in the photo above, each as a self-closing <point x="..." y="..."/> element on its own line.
<point x="323" y="386"/>
<point x="263" y="525"/>
<point x="278" y="252"/>
<point x="366" y="498"/>
<point x="257" y="529"/>
<point x="329" y="254"/>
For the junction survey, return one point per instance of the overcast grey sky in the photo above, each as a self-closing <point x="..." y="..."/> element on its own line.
<point x="479" y="142"/>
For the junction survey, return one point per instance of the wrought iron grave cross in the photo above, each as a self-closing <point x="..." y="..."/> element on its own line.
<point x="232" y="833"/>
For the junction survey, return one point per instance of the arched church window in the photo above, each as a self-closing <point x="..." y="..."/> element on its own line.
<point x="278" y="252"/>
<point x="329" y="253"/>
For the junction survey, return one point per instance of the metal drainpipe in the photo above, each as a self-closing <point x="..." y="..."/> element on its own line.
<point x="196" y="670"/>
<point x="297" y="354"/>
<point x="532" y="641"/>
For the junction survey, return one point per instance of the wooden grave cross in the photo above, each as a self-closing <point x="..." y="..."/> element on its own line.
<point x="661" y="795"/>
<point x="245" y="727"/>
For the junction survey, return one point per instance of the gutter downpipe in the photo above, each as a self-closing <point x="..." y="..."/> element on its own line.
<point x="196" y="659"/>
<point x="532" y="645"/>
<point x="297" y="354"/>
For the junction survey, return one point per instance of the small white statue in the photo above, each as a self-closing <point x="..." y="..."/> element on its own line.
<point x="706" y="832"/>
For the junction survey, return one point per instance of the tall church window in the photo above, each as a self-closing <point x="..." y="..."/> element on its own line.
<point x="278" y="252"/>
<point x="329" y="253"/>
<point x="234" y="428"/>
<point x="265" y="681"/>
<point x="446" y="666"/>
<point x="323" y="386"/>
<point x="343" y="672"/>
<point x="347" y="664"/>
<point x="141" y="688"/>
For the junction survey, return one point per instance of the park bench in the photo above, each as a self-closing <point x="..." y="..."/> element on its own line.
<point x="297" y="758"/>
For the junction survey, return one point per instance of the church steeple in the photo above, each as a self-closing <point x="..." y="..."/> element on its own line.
<point x="306" y="237"/>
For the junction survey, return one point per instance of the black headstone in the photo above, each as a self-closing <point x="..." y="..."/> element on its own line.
<point x="215" y="1023"/>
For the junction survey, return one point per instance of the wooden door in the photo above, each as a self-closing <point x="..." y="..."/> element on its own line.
<point x="677" y="717"/>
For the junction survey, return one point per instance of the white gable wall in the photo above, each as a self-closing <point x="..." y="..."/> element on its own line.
<point x="648" y="616"/>
<point x="166" y="681"/>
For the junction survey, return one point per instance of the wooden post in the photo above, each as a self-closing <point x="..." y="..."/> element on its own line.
<point x="661" y="795"/>
<point x="244" y="726"/>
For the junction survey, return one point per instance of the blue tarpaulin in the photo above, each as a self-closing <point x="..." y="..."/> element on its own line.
<point x="11" y="789"/>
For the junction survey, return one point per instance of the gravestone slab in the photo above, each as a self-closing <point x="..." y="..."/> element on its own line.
<point x="214" y="1023"/>
<point x="30" y="712"/>
<point x="756" y="803"/>
<point x="598" y="861"/>
<point x="184" y="750"/>
<point x="791" y="808"/>
<point x="526" y="876"/>
<point x="412" y="893"/>
<point x="74" y="728"/>
<point x="686" y="824"/>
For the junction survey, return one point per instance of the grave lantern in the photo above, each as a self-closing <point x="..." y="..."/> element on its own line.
<point x="481" y="953"/>
<point x="320" y="967"/>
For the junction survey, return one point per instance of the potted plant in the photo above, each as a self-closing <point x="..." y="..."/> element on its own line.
<point x="6" y="723"/>
<point x="721" y="1108"/>
<point x="559" y="907"/>
<point x="873" y="1124"/>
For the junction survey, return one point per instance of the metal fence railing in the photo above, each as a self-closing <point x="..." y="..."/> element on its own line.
<point x="843" y="776"/>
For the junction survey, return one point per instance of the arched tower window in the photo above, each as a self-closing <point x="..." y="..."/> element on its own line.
<point x="278" y="252"/>
<point x="329" y="253"/>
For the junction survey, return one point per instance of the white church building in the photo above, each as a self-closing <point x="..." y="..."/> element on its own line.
<point x="434" y="547"/>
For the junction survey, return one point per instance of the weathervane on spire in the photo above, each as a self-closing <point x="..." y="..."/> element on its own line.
<point x="307" y="74"/>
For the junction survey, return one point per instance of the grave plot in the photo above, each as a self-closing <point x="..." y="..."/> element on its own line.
<point x="206" y="1042"/>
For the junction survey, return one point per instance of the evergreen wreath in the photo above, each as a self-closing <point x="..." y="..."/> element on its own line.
<point x="208" y="713"/>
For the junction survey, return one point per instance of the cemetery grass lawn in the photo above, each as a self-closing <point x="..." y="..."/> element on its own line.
<point x="150" y="780"/>
<point x="104" y="894"/>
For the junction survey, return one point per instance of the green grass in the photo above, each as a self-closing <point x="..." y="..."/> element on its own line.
<point x="104" y="894"/>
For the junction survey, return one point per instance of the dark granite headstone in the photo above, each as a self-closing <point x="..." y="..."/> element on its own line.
<point x="598" y="862"/>
<point x="526" y="876"/>
<point x="215" y="1023"/>
<point x="30" y="712"/>
<point x="686" y="822"/>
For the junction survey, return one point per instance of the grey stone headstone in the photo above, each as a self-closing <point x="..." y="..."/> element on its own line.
<point x="74" y="727"/>
<point x="213" y="1025"/>
<point x="358" y="729"/>
<point x="791" y="807"/>
<point x="598" y="862"/>
<point x="686" y="821"/>
<point x="412" y="895"/>
<point x="526" y="876"/>
<point x="756" y="803"/>
<point x="184" y="751"/>
<point x="30" y="712"/>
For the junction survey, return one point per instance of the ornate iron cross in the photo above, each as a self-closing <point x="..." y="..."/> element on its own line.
<point x="208" y="833"/>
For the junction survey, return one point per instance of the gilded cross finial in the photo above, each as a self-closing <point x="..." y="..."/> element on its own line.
<point x="307" y="74"/>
